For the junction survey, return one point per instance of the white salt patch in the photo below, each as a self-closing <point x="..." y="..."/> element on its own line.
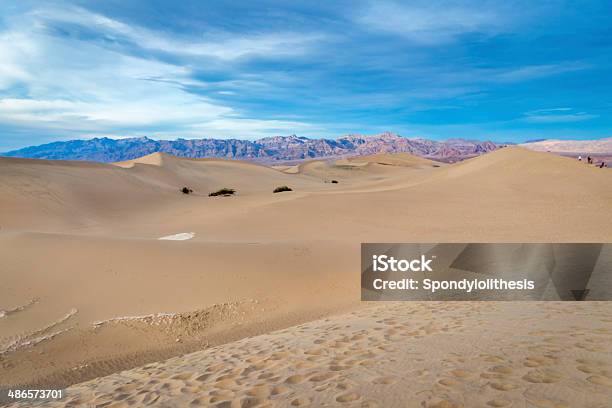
<point x="178" y="237"/>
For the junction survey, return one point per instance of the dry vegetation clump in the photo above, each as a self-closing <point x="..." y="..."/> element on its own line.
<point x="224" y="192"/>
<point x="281" y="189"/>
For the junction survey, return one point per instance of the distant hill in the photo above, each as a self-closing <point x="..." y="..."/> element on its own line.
<point x="269" y="149"/>
<point x="601" y="146"/>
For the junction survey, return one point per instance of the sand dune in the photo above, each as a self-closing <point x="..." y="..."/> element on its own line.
<point x="349" y="167"/>
<point x="510" y="194"/>
<point x="397" y="159"/>
<point x="84" y="237"/>
<point x="59" y="196"/>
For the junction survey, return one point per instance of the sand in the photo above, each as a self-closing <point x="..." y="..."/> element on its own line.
<point x="471" y="354"/>
<point x="88" y="289"/>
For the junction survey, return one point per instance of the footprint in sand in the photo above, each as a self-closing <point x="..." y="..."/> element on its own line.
<point x="497" y="372"/>
<point x="587" y="369"/>
<point x="502" y="369"/>
<point x="539" y="361"/>
<point x="348" y="397"/>
<point x="387" y="380"/>
<point x="367" y="363"/>
<point x="199" y="402"/>
<point x="591" y="367"/>
<point x="126" y="388"/>
<point x="544" y="403"/>
<point x="503" y="386"/>
<point x="461" y="373"/>
<point x="226" y="384"/>
<point x="489" y="358"/>
<point x="542" y="376"/>
<point x="323" y="387"/>
<point x="294" y="379"/>
<point x="600" y="380"/>
<point x="449" y="382"/>
<point x="300" y="365"/>
<point x="299" y="402"/>
<point x="265" y="375"/>
<point x="321" y="377"/>
<point x="279" y="389"/>
<point x="281" y="355"/>
<point x="315" y="352"/>
<point x="336" y="367"/>
<point x="499" y="403"/>
<point x="260" y="391"/>
<point x="182" y="376"/>
<point x="202" y="378"/>
<point x="444" y="404"/>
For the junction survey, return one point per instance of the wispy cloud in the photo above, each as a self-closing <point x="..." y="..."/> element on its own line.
<point x="62" y="83"/>
<point x="224" y="46"/>
<point x="431" y="22"/>
<point x="557" y="115"/>
<point x="530" y="72"/>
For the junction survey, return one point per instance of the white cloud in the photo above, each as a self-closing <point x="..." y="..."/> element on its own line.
<point x="430" y="22"/>
<point x="15" y="51"/>
<point x="67" y="85"/>
<point x="219" y="45"/>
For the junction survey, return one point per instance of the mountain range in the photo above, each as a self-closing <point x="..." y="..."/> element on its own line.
<point x="268" y="149"/>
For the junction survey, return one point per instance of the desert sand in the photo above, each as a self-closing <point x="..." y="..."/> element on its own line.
<point x="89" y="289"/>
<point x="470" y="354"/>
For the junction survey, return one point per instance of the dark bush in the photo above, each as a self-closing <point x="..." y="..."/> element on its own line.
<point x="334" y="181"/>
<point x="186" y="190"/>
<point x="281" y="189"/>
<point x="225" y="192"/>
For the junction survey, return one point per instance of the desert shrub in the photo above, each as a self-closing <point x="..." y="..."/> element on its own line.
<point x="281" y="189"/>
<point x="334" y="181"/>
<point x="186" y="190"/>
<point x="225" y="192"/>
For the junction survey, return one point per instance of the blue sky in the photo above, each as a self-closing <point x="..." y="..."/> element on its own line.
<point x="499" y="70"/>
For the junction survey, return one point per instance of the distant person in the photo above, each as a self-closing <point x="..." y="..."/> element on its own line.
<point x="579" y="158"/>
<point x="589" y="160"/>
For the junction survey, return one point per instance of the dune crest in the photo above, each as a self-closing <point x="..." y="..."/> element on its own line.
<point x="154" y="159"/>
